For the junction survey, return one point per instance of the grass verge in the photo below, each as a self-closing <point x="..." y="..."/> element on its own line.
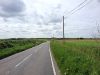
<point x="77" y="57"/>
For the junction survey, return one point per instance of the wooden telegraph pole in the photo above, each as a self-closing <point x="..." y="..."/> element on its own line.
<point x="63" y="30"/>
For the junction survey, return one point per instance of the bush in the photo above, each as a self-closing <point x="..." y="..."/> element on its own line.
<point x="12" y="46"/>
<point x="4" y="45"/>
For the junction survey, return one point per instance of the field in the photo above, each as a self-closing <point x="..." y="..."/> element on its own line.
<point x="12" y="46"/>
<point x="77" y="57"/>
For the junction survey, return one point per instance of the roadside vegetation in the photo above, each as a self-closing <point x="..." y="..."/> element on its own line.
<point x="12" y="46"/>
<point x="77" y="57"/>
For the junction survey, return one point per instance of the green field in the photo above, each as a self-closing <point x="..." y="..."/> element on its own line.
<point x="77" y="57"/>
<point x="12" y="46"/>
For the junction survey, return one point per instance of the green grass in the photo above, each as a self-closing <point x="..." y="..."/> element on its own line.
<point x="77" y="57"/>
<point x="11" y="46"/>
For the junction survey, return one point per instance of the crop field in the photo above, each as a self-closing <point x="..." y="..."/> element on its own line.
<point x="77" y="57"/>
<point x="12" y="46"/>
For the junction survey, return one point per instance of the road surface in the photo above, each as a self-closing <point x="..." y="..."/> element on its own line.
<point x="34" y="61"/>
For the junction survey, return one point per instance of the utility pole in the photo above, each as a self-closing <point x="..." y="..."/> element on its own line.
<point x="63" y="29"/>
<point x="80" y="6"/>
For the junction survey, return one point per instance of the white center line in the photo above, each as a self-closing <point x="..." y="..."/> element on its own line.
<point x="54" y="71"/>
<point x="23" y="60"/>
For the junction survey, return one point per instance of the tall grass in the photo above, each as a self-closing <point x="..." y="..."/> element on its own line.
<point x="77" y="57"/>
<point x="12" y="46"/>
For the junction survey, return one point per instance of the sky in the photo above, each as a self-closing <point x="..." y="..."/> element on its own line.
<point x="43" y="18"/>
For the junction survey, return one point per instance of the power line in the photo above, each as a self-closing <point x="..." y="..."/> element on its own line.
<point x="80" y="6"/>
<point x="77" y="6"/>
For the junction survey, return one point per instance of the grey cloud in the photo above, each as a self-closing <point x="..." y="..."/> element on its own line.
<point x="98" y="0"/>
<point x="48" y="18"/>
<point x="46" y="31"/>
<point x="55" y="16"/>
<point x="51" y="18"/>
<point x="55" y="19"/>
<point x="11" y="8"/>
<point x="57" y="27"/>
<point x="37" y="18"/>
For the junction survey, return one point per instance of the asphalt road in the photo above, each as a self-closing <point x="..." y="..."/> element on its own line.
<point x="34" y="61"/>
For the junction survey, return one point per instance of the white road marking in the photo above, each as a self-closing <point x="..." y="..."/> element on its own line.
<point x="28" y="56"/>
<point x="23" y="60"/>
<point x="54" y="71"/>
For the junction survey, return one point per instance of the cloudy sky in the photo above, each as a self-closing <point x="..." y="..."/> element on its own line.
<point x="43" y="18"/>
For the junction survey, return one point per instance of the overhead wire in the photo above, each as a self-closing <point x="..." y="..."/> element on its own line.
<point x="80" y="6"/>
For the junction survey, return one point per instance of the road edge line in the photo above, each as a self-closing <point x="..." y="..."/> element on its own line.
<point x="54" y="71"/>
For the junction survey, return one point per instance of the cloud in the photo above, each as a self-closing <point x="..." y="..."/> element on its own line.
<point x="56" y="15"/>
<point x="43" y="18"/>
<point x="55" y="19"/>
<point x="98" y="0"/>
<point x="11" y="8"/>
